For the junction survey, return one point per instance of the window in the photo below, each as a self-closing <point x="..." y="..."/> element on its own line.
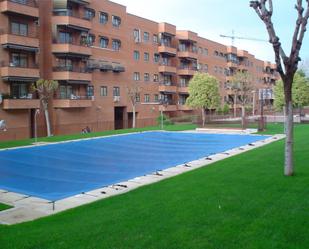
<point x="146" y="77"/>
<point x="156" y="97"/>
<point x="147" y="98"/>
<point x="104" y="42"/>
<point x="116" y="45"/>
<point x="155" y="39"/>
<point x="116" y="20"/>
<point x="136" y="55"/>
<point x="19" y="60"/>
<point x="206" y="68"/>
<point x="136" y="76"/>
<point x="19" y="29"/>
<point x="103" y="17"/>
<point x="65" y="64"/>
<point x="138" y="97"/>
<point x="146" y="56"/>
<point x="216" y="69"/>
<point x="200" y="50"/>
<point x="156" y="78"/>
<point x="205" y="51"/>
<point x="136" y="35"/>
<point x="90" y="91"/>
<point x="19" y="90"/>
<point x="116" y="91"/>
<point x="91" y="39"/>
<point x="156" y="58"/>
<point x="65" y="37"/>
<point x="103" y="91"/>
<point x="89" y="14"/>
<point x="146" y="36"/>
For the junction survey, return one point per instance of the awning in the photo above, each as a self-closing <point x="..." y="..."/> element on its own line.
<point x="20" y="79"/>
<point x="72" y="55"/>
<point x="75" y="82"/>
<point x="118" y="68"/>
<point x="105" y="66"/>
<point x="20" y="47"/>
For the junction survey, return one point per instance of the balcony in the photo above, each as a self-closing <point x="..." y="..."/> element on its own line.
<point x="24" y="43"/>
<point x="188" y="71"/>
<point x="29" y="8"/>
<point x="21" y="104"/>
<point x="189" y="54"/>
<point x="167" y="28"/>
<point x="167" y="69"/>
<point x="186" y="35"/>
<point x="71" y="49"/>
<point x="183" y="107"/>
<point x="10" y="73"/>
<point x="183" y="89"/>
<point x="168" y="108"/>
<point x="165" y="49"/>
<point x="71" y="74"/>
<point x="72" y="21"/>
<point x="72" y="103"/>
<point x="167" y="88"/>
<point x="232" y="64"/>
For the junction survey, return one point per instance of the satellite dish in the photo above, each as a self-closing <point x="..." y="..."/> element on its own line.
<point x="2" y="125"/>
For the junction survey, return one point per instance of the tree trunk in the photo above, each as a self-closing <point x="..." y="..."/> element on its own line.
<point x="134" y="117"/>
<point x="203" y="116"/>
<point x="235" y="105"/>
<point x="243" y="117"/>
<point x="45" y="107"/>
<point x="288" y="166"/>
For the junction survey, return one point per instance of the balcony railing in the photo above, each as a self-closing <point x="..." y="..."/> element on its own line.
<point x="30" y="3"/>
<point x="72" y="14"/>
<point x="71" y="41"/>
<point x="185" y="67"/>
<point x="71" y="69"/>
<point x="17" y="65"/>
<point x="9" y="32"/>
<point x="187" y="49"/>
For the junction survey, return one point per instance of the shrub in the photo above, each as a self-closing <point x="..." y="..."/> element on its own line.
<point x="166" y="120"/>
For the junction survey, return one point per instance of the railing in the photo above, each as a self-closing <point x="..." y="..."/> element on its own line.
<point x="71" y="41"/>
<point x="12" y="64"/>
<point x="166" y="44"/>
<point x="162" y="83"/>
<point x="187" y="49"/>
<point x="27" y="96"/>
<point x="30" y="3"/>
<point x="72" y="14"/>
<point x="188" y="68"/>
<point x="71" y="69"/>
<point x="9" y="32"/>
<point x="73" y="97"/>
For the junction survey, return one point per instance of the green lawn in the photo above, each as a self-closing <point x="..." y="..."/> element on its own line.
<point x="10" y="144"/>
<point x="241" y="202"/>
<point x="4" y="207"/>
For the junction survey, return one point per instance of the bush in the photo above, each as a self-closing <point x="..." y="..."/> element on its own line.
<point x="166" y="120"/>
<point x="226" y="109"/>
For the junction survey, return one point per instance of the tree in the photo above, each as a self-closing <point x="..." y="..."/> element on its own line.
<point x="45" y="89"/>
<point x="286" y="65"/>
<point x="133" y="93"/>
<point x="300" y="92"/>
<point x="242" y="87"/>
<point x="203" y="93"/>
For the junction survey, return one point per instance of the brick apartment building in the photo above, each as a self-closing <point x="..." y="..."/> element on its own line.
<point x="95" y="50"/>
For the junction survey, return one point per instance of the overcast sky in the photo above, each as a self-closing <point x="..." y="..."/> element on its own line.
<point x="210" y="18"/>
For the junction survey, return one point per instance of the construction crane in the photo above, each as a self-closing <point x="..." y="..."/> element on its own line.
<point x="233" y="38"/>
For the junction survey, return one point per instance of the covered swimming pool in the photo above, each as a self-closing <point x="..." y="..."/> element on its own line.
<point x="57" y="171"/>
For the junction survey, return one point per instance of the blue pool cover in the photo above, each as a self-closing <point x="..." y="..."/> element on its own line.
<point x="57" y="171"/>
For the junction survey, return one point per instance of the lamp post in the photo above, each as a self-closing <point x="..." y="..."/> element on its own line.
<point x="37" y="112"/>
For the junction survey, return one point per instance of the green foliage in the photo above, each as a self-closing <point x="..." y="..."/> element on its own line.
<point x="226" y="109"/>
<point x="300" y="92"/>
<point x="203" y="92"/>
<point x="45" y="88"/>
<point x="166" y="120"/>
<point x="220" y="110"/>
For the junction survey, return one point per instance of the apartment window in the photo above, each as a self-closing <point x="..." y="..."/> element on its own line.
<point x="156" y="78"/>
<point x="116" y="45"/>
<point x="65" y="91"/>
<point x="19" y="29"/>
<point x="137" y="98"/>
<point x="183" y="82"/>
<point x="146" y="56"/>
<point x="116" y="20"/>
<point x="136" y="35"/>
<point x="206" y="68"/>
<point x="91" y="39"/>
<point x="205" y="51"/>
<point x="146" y="36"/>
<point x="146" y="77"/>
<point x="156" y="97"/>
<point x="90" y="91"/>
<point x="156" y="58"/>
<point x="136" y="55"/>
<point x="89" y="14"/>
<point x="103" y="91"/>
<point x="65" y="37"/>
<point x="147" y="98"/>
<point x="200" y="50"/>
<point x="116" y="91"/>
<point x="19" y="90"/>
<point x="65" y="64"/>
<point x="103" y="17"/>
<point x="19" y="60"/>
<point x="104" y="42"/>
<point x="155" y="39"/>
<point x="136" y="76"/>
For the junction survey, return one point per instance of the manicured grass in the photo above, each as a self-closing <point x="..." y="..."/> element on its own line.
<point x="4" y="207"/>
<point x="242" y="202"/>
<point x="10" y="144"/>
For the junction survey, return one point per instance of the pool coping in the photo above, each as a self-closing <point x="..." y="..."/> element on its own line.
<point x="27" y="208"/>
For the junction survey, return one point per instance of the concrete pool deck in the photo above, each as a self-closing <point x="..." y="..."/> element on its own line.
<point x="27" y="208"/>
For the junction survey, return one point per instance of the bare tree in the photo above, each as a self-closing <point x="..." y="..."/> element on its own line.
<point x="242" y="88"/>
<point x="286" y="65"/>
<point x="133" y="93"/>
<point x="45" y="89"/>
